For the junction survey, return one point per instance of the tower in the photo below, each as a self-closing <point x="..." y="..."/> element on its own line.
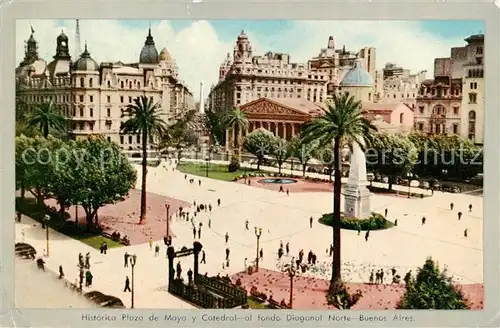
<point x="78" y="50"/>
<point x="62" y="48"/>
<point x="202" y="101"/>
<point x="31" y="49"/>
<point x="242" y="50"/>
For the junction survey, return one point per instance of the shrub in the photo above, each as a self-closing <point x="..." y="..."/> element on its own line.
<point x="339" y="296"/>
<point x="432" y="289"/>
<point x="234" y="165"/>
<point x="375" y="222"/>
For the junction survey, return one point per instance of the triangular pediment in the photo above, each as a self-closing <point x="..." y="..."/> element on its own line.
<point x="267" y="106"/>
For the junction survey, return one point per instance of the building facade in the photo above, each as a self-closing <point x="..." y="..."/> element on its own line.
<point x="453" y="102"/>
<point x="245" y="77"/>
<point x="94" y="96"/>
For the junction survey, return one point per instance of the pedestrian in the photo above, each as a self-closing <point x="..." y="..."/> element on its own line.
<point x="246" y="225"/>
<point x="227" y="263"/>
<point x="218" y="202"/>
<point x="18" y="216"/>
<point x="203" y="258"/>
<point x="407" y="277"/>
<point x="81" y="262"/>
<point x="367" y="235"/>
<point x="309" y="257"/>
<point x="199" y="182"/>
<point x="61" y="272"/>
<point x="370" y="281"/>
<point x="179" y="270"/>
<point x="287" y="192"/>
<point x="451" y="206"/>
<point x="127" y="285"/>
<point x="311" y="222"/>
<point x="245" y="264"/>
<point x="385" y="212"/>
<point x="199" y="233"/>
<point x="459" y="215"/>
<point x="150" y="243"/>
<point x="227" y="237"/>
<point x="101" y="248"/>
<point x="393" y="271"/>
<point x="105" y="247"/>
<point x="330" y="250"/>
<point x="210" y="208"/>
<point x="470" y="207"/>
<point x="194" y="232"/>
<point x="249" y="182"/>
<point x="190" y="277"/>
<point x="194" y="203"/>
<point x="82" y="275"/>
<point x="87" y="260"/>
<point x="381" y="276"/>
<point x="205" y="207"/>
<point x="423" y="220"/>
<point x="157" y="250"/>
<point x="185" y="176"/>
<point x="209" y="223"/>
<point x="377" y="277"/>
<point x="287" y="248"/>
<point x="465" y="233"/>
<point x="227" y="253"/>
<point x="261" y="253"/>
<point x="281" y="189"/>
<point x="280" y="252"/>
<point x="396" y="222"/>
<point x="359" y="229"/>
<point x="88" y="278"/>
<point x="125" y="259"/>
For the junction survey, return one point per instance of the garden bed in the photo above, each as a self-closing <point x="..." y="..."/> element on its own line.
<point x="375" y="222"/>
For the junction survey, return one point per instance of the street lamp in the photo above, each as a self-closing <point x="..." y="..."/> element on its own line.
<point x="167" y="207"/>
<point x="258" y="233"/>
<point x="133" y="260"/>
<point x="46" y="220"/>
<point x="290" y="269"/>
<point x="409" y="175"/>
<point x="207" y="159"/>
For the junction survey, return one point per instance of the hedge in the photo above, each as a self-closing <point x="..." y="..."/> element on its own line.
<point x="375" y="222"/>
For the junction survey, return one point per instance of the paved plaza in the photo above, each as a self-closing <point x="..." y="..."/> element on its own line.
<point x="282" y="218"/>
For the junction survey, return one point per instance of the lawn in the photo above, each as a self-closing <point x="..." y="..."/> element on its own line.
<point x="96" y="241"/>
<point x="215" y="171"/>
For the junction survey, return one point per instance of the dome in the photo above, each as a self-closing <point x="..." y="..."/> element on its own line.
<point x="85" y="62"/>
<point x="62" y="37"/>
<point x="149" y="54"/>
<point x="165" y="55"/>
<point x="242" y="35"/>
<point x="357" y="76"/>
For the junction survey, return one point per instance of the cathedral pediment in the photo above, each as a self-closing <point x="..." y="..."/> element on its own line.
<point x="266" y="106"/>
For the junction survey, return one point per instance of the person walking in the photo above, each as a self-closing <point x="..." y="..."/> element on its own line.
<point x="287" y="247"/>
<point x="125" y="259"/>
<point x="105" y="247"/>
<point x="385" y="212"/>
<point x="330" y="250"/>
<point x="459" y="215"/>
<point x="470" y="207"/>
<point x="218" y="202"/>
<point x="287" y="192"/>
<point x="87" y="260"/>
<point x="179" y="270"/>
<point x="396" y="222"/>
<point x="451" y="206"/>
<point x="150" y="243"/>
<point x="61" y="272"/>
<point x="370" y="281"/>
<point x="194" y="232"/>
<point x="261" y="253"/>
<point x="199" y="232"/>
<point x="227" y="237"/>
<point x="203" y="258"/>
<point x="246" y="225"/>
<point x="157" y="250"/>
<point x="209" y="223"/>
<point x="381" y="276"/>
<point x="88" y="278"/>
<point x="367" y="235"/>
<point x="423" y="220"/>
<point x="465" y="233"/>
<point x="311" y="222"/>
<point x="359" y="229"/>
<point x="210" y="208"/>
<point x="227" y="253"/>
<point x="127" y="285"/>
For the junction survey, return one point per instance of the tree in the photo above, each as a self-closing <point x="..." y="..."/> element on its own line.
<point x="180" y="135"/>
<point x="391" y="155"/>
<point x="259" y="143"/>
<point x="280" y="150"/>
<point x="214" y="123"/>
<point x="46" y="117"/>
<point x="342" y="121"/>
<point x="235" y="118"/>
<point x="302" y="151"/>
<point x="325" y="155"/>
<point x="104" y="176"/>
<point x="432" y="289"/>
<point x="144" y="119"/>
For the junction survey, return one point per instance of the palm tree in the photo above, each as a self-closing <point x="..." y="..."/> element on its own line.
<point x="145" y="119"/>
<point x="46" y="117"/>
<point x="236" y="118"/>
<point x="343" y="121"/>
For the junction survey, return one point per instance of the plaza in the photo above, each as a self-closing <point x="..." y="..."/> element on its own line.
<point x="282" y="218"/>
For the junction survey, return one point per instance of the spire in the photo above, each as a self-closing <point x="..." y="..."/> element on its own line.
<point x="149" y="38"/>
<point x="86" y="53"/>
<point x="78" y="49"/>
<point x="31" y="48"/>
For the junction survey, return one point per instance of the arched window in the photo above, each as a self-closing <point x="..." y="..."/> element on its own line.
<point x="90" y="82"/>
<point x="122" y="84"/>
<point x="439" y="110"/>
<point x="401" y="118"/>
<point x="472" y="125"/>
<point x="82" y="82"/>
<point x="472" y="115"/>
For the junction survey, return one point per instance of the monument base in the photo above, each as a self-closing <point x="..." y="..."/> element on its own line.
<point x="357" y="202"/>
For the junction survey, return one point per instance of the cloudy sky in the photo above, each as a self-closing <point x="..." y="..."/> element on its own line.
<point x="200" y="46"/>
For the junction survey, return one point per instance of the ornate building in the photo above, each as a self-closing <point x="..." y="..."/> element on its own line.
<point x="244" y="77"/>
<point x="93" y="97"/>
<point x="453" y="102"/>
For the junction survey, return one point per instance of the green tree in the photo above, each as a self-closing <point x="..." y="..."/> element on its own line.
<point x="103" y="176"/>
<point x="214" y="124"/>
<point x="432" y="289"/>
<point x="180" y="135"/>
<point x="236" y="119"/>
<point x="46" y="117"/>
<point x="259" y="143"/>
<point x="144" y="118"/>
<point x="280" y="150"/>
<point x="325" y="155"/>
<point x="391" y="155"/>
<point x="342" y="121"/>
<point x="302" y="151"/>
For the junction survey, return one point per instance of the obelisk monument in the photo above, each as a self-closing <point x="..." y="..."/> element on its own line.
<point x="356" y="194"/>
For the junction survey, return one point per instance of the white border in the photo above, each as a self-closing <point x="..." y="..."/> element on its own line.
<point x="224" y="9"/>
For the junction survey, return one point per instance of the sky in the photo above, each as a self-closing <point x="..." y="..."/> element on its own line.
<point x="199" y="47"/>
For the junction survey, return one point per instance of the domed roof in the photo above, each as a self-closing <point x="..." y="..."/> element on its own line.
<point x="357" y="76"/>
<point x="242" y="35"/>
<point x="165" y="55"/>
<point x="85" y="62"/>
<point x="149" y="54"/>
<point x="62" y="37"/>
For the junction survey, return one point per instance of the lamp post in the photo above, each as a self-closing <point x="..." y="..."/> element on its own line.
<point x="207" y="159"/>
<point x="133" y="260"/>
<point x="167" y="207"/>
<point x="409" y="175"/>
<point x="290" y="269"/>
<point x="46" y="220"/>
<point x="258" y="233"/>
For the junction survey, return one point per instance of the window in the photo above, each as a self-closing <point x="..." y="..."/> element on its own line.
<point x="129" y="139"/>
<point x="455" y="128"/>
<point x="81" y="112"/>
<point x="130" y="85"/>
<point x="108" y="138"/>
<point x="479" y="60"/>
<point x="138" y="85"/>
<point x="122" y="84"/>
<point x="138" y="138"/>
<point x="91" y="112"/>
<point x="129" y="100"/>
<point x="421" y="109"/>
<point x="401" y="118"/>
<point x="479" y="50"/>
<point x="82" y="82"/>
<point x="472" y="125"/>
<point x="455" y="110"/>
<point x="420" y="126"/>
<point x="108" y="112"/>
<point x="439" y="110"/>
<point x="121" y="140"/>
<point x="121" y="99"/>
<point x="90" y="82"/>
<point x="472" y="98"/>
<point x="109" y="84"/>
<point x="91" y="98"/>
<point x="108" y="99"/>
<point x="81" y="98"/>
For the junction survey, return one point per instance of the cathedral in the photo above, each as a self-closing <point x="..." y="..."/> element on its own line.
<point x="94" y="96"/>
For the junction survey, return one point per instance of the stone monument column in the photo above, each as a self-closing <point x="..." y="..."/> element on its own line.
<point x="356" y="193"/>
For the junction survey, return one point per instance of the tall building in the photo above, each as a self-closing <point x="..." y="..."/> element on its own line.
<point x="94" y="96"/>
<point x="453" y="102"/>
<point x="245" y="77"/>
